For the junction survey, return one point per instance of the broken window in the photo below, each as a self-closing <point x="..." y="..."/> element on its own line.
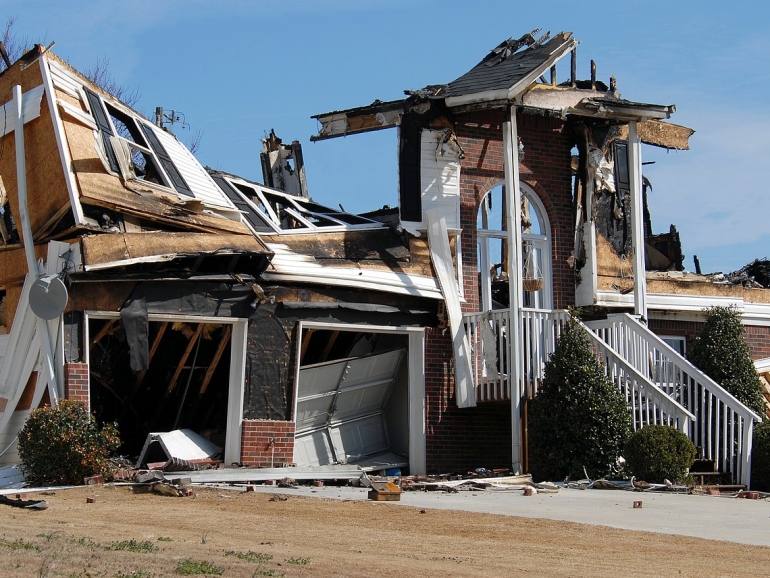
<point x="184" y="386"/>
<point x="267" y="210"/>
<point x="133" y="149"/>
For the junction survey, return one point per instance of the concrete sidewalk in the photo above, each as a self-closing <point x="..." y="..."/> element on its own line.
<point x="711" y="517"/>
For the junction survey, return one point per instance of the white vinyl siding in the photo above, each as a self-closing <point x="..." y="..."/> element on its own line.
<point x="198" y="180"/>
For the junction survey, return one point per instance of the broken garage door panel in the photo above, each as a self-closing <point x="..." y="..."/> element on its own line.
<point x="180" y="444"/>
<point x="340" y="407"/>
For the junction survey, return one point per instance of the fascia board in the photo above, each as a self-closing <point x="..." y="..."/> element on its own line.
<point x="624" y="113"/>
<point x="406" y="285"/>
<point x="486" y="96"/>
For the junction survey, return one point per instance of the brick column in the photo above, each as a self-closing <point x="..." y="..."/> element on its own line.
<point x="267" y="443"/>
<point x="76" y="385"/>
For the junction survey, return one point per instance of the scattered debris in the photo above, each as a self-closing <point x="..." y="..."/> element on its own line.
<point x="756" y="274"/>
<point x="183" y="448"/>
<point x="385" y="492"/>
<point x="28" y="504"/>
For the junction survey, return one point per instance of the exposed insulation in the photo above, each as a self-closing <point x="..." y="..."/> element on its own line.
<point x="661" y="134"/>
<point x="47" y="193"/>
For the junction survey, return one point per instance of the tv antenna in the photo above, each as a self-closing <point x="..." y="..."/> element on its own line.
<point x="165" y="120"/>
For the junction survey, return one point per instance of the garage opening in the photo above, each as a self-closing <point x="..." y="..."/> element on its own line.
<point x="186" y="385"/>
<point x="352" y="401"/>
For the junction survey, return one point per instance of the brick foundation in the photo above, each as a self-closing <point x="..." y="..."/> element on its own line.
<point x="76" y="382"/>
<point x="267" y="443"/>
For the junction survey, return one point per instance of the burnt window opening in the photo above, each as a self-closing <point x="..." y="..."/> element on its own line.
<point x="185" y="386"/>
<point x="286" y="212"/>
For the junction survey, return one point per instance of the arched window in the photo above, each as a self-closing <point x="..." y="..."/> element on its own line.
<point x="492" y="251"/>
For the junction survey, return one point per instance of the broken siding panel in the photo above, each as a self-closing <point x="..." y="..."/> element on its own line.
<point x="198" y="181"/>
<point x="439" y="177"/>
<point x="290" y="266"/>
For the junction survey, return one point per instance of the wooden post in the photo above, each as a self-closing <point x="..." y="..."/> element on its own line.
<point x="573" y="71"/>
<point x="553" y="75"/>
<point x="637" y="224"/>
<point x="513" y="214"/>
<point x="593" y="75"/>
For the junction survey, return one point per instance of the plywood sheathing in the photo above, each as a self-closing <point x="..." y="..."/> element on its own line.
<point x="118" y="247"/>
<point x="376" y="250"/>
<point x="616" y="273"/>
<point x="13" y="269"/>
<point x="47" y="193"/>
<point x="661" y="134"/>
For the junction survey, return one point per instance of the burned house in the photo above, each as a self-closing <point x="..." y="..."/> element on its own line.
<point x="288" y="332"/>
<point x="195" y="299"/>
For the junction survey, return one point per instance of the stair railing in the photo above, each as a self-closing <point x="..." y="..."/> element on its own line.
<point x="722" y="427"/>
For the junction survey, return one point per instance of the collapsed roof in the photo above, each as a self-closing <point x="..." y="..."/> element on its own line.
<point x="513" y="73"/>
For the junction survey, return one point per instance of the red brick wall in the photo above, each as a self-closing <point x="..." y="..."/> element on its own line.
<point x="756" y="337"/>
<point x="76" y="383"/>
<point x="459" y="439"/>
<point x="481" y="437"/>
<point x="266" y="443"/>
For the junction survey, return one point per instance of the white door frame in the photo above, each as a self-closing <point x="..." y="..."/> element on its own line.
<point x="416" y="386"/>
<point x="237" y="368"/>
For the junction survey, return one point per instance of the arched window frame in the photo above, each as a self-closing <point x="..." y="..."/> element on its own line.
<point x="541" y="243"/>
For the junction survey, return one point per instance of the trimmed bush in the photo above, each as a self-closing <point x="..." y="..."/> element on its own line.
<point x="720" y="352"/>
<point x="658" y="452"/>
<point x="64" y="444"/>
<point x="760" y="457"/>
<point x="578" y="419"/>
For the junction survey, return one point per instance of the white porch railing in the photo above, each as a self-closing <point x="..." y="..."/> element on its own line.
<point x="492" y="356"/>
<point x="491" y="353"/>
<point x="722" y="427"/>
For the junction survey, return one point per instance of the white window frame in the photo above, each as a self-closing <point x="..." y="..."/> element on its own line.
<point x="541" y="241"/>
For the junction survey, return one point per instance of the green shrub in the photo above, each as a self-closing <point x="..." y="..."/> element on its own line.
<point x="578" y="419"/>
<point x="658" y="452"/>
<point x="720" y="352"/>
<point x="760" y="457"/>
<point x="64" y="444"/>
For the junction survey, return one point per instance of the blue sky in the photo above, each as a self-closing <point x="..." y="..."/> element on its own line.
<point x="236" y="69"/>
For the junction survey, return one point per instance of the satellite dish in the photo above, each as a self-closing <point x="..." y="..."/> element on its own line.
<point x="48" y="297"/>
